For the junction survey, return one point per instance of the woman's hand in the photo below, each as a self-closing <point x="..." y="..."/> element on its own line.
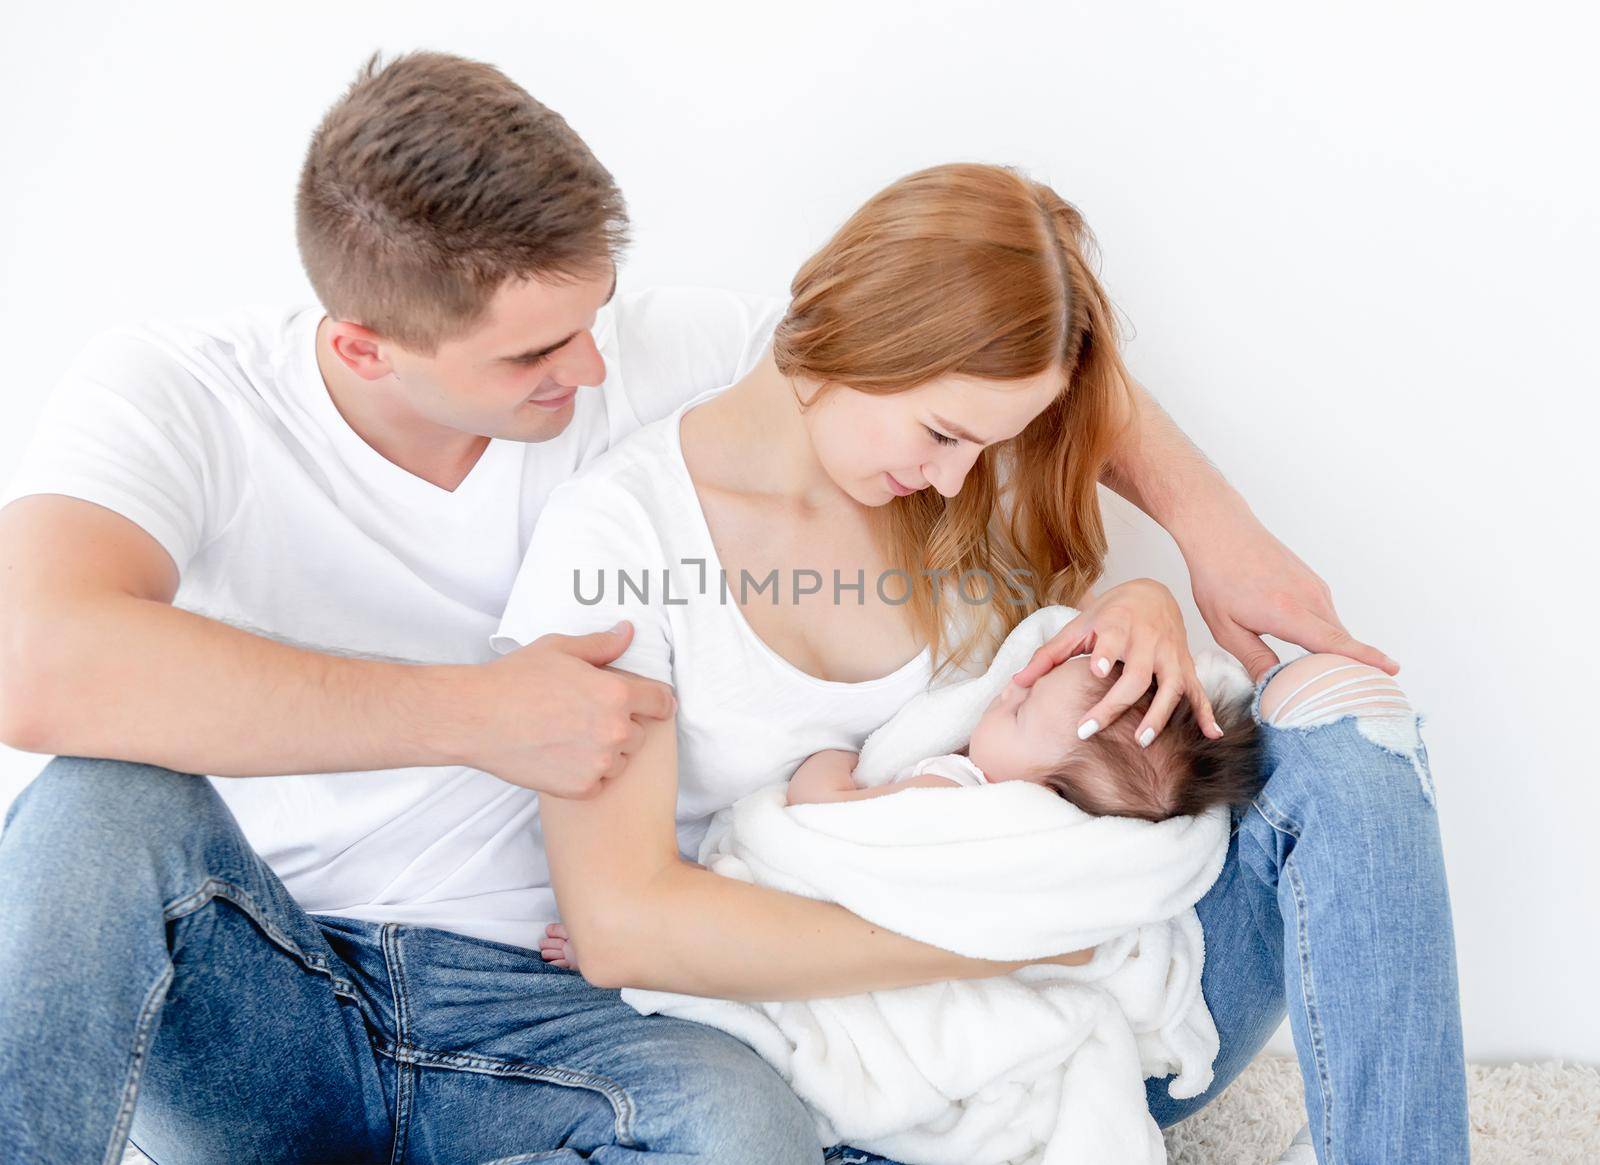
<point x="1138" y="622"/>
<point x="1248" y="584"/>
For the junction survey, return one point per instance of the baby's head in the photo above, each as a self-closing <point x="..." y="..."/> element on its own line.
<point x="1030" y="734"/>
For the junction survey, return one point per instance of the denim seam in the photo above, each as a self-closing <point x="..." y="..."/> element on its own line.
<point x="1308" y="995"/>
<point x="621" y="1103"/>
<point x="395" y="967"/>
<point x="404" y="1076"/>
<point x="1269" y="932"/>
<point x="1276" y="818"/>
<point x="214" y="888"/>
<point x="142" y="1028"/>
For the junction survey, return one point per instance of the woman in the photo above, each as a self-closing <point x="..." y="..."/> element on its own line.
<point x="908" y="472"/>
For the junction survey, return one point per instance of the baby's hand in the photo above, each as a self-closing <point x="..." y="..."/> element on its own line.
<point x="556" y="947"/>
<point x="823" y="776"/>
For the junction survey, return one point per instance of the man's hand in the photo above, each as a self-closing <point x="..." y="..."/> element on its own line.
<point x="1248" y="584"/>
<point x="552" y="717"/>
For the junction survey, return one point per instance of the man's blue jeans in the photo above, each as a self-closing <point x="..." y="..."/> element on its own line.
<point x="147" y="953"/>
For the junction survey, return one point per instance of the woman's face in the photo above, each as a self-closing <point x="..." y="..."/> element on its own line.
<point x="876" y="447"/>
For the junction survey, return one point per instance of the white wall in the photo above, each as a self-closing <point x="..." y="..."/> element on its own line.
<point x="1357" y="242"/>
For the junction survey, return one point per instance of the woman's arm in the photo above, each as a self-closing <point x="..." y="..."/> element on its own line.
<point x="643" y="917"/>
<point x="1246" y="583"/>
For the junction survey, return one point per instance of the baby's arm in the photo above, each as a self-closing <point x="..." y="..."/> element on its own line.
<point x="829" y="775"/>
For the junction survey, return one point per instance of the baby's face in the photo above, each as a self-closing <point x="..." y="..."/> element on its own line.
<point x="1026" y="732"/>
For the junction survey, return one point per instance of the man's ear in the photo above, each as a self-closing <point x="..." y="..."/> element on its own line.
<point x="359" y="349"/>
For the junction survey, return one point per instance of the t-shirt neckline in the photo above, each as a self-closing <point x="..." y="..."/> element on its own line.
<point x="680" y="465"/>
<point x="363" y="456"/>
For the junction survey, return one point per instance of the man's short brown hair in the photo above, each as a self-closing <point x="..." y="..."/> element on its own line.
<point x="435" y="179"/>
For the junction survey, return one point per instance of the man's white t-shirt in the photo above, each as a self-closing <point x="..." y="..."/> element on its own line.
<point x="628" y="539"/>
<point x="221" y="441"/>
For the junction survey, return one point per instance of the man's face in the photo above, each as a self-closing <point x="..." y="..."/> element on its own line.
<point x="517" y="374"/>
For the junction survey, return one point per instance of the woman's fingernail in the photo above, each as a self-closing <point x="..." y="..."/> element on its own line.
<point x="1217" y="728"/>
<point x="1103" y="666"/>
<point x="1087" y="729"/>
<point x="1146" y="737"/>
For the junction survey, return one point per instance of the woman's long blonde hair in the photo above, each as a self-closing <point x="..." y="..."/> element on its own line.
<point x="980" y="271"/>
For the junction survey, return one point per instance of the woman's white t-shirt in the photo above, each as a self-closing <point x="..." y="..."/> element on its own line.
<point x="627" y="539"/>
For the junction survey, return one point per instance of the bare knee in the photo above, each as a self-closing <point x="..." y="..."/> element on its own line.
<point x="1320" y="688"/>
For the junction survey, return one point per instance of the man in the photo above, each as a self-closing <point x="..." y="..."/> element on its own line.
<point x="278" y="545"/>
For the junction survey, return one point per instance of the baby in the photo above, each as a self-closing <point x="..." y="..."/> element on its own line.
<point x="1030" y="734"/>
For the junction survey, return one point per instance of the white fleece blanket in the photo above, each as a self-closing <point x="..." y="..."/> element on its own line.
<point x="1043" y="1066"/>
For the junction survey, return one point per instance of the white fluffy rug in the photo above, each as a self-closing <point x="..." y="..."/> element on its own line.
<point x="1522" y="1114"/>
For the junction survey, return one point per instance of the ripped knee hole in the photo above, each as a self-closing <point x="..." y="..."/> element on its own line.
<point x="1319" y="689"/>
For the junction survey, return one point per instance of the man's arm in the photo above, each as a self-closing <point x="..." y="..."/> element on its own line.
<point x="1246" y="582"/>
<point x="95" y="661"/>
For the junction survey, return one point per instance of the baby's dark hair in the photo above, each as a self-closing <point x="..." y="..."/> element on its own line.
<point x="1182" y="773"/>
